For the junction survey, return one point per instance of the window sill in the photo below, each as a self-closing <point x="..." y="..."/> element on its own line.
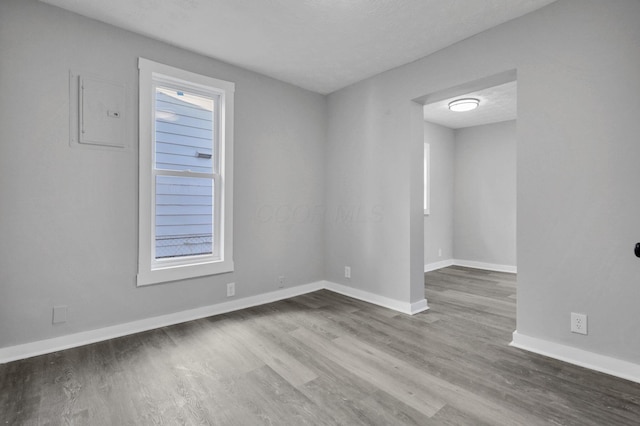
<point x="183" y="272"/>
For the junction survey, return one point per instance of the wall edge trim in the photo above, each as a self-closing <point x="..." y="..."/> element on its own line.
<point x="386" y="302"/>
<point x="486" y="266"/>
<point x="434" y="266"/>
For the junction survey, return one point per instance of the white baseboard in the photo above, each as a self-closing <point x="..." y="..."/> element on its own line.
<point x="470" y="264"/>
<point x="27" y="350"/>
<point x="438" y="265"/>
<point x="396" y="305"/>
<point x="486" y="266"/>
<point x="604" y="364"/>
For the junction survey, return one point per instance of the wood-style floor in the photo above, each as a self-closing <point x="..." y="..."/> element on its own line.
<point x="323" y="359"/>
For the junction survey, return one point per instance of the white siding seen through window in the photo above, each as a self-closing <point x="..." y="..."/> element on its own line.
<point x="184" y="205"/>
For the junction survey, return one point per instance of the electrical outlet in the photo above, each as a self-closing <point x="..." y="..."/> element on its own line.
<point x="439" y="252"/>
<point x="231" y="289"/>
<point x="347" y="271"/>
<point x="578" y="323"/>
<point x="59" y="314"/>
<point x="281" y="281"/>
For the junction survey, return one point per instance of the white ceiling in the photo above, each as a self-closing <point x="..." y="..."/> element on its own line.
<point x="321" y="45"/>
<point x="497" y="103"/>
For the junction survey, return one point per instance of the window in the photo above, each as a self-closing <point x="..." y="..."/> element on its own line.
<point x="186" y="145"/>
<point x="427" y="183"/>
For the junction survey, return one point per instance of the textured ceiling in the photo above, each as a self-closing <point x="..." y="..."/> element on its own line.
<point x="497" y="104"/>
<point x="321" y="45"/>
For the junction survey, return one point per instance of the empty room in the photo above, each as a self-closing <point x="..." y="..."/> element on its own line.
<point x="240" y="212"/>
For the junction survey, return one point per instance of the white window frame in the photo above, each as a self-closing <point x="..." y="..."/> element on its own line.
<point x="150" y="269"/>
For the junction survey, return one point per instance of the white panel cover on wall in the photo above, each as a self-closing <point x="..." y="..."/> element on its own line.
<point x="97" y="112"/>
<point x="101" y="112"/>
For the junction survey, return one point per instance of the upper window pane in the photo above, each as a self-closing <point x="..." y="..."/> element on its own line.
<point x="184" y="131"/>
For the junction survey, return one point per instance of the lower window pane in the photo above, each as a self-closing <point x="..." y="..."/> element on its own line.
<point x="184" y="216"/>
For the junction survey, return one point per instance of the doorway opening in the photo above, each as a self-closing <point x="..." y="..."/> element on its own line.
<point x="470" y="176"/>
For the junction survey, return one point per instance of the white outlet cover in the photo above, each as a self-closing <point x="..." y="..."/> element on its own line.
<point x="59" y="314"/>
<point x="231" y="289"/>
<point x="579" y="323"/>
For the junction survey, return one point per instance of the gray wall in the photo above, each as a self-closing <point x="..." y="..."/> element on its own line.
<point x="69" y="219"/>
<point x="577" y="173"/>
<point x="368" y="162"/>
<point x="438" y="225"/>
<point x="484" y="225"/>
<point x="69" y="216"/>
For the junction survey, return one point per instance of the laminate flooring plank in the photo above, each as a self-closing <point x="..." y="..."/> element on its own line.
<point x="379" y="311"/>
<point x="334" y="378"/>
<point x="490" y="281"/>
<point x="349" y="403"/>
<point x="620" y="391"/>
<point x="150" y="388"/>
<point x="62" y="385"/>
<point x="273" y="312"/>
<point x="382" y="409"/>
<point x="271" y="354"/>
<point x="439" y="356"/>
<point x="203" y="348"/>
<point x="313" y="300"/>
<point x="309" y="319"/>
<point x="582" y="403"/>
<point x="441" y="363"/>
<point x="273" y="401"/>
<point x="20" y="391"/>
<point x="338" y="303"/>
<point x="450" y="416"/>
<point x="344" y="410"/>
<point x="170" y="397"/>
<point x="491" y="290"/>
<point x="101" y="401"/>
<point x="479" y="303"/>
<point x="342" y="379"/>
<point x="403" y="388"/>
<point x="408" y="344"/>
<point x="481" y="407"/>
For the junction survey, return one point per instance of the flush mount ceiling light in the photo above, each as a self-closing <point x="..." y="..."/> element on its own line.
<point x="466" y="104"/>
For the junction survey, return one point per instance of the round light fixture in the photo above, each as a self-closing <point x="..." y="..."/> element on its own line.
<point x="465" y="104"/>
